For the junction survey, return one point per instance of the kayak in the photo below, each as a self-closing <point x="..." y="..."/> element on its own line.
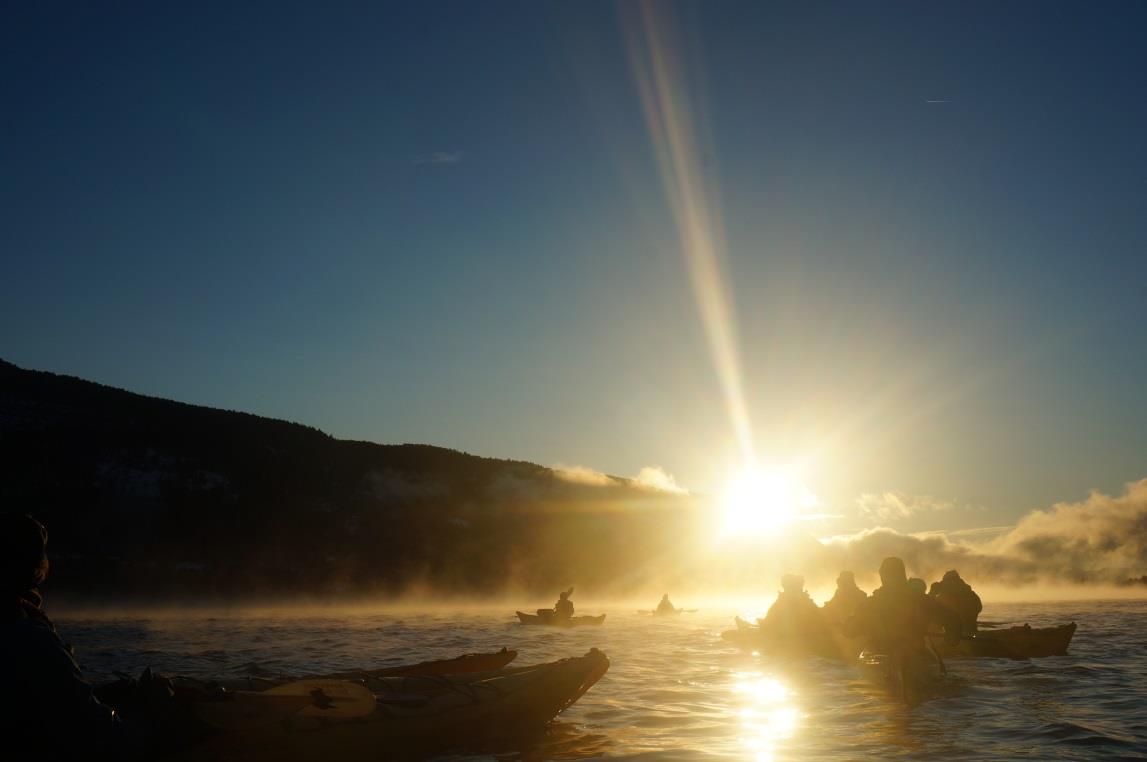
<point x="1024" y="642"/>
<point x="674" y="612"/>
<point x="453" y="711"/>
<point x="835" y="646"/>
<point x="466" y="663"/>
<point x="576" y="621"/>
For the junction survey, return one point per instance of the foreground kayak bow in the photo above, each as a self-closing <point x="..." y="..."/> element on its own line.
<point x="457" y="711"/>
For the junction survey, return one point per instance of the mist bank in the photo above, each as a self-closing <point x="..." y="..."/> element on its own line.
<point x="1100" y="541"/>
<point x="750" y="605"/>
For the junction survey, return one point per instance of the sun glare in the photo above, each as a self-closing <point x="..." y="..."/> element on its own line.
<point x="761" y="502"/>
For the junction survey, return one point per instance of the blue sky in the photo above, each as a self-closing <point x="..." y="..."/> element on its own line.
<point x="443" y="223"/>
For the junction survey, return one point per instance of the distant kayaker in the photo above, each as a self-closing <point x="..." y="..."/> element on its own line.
<point x="793" y="614"/>
<point x="954" y="593"/>
<point x="52" y="707"/>
<point x="845" y="601"/>
<point x="896" y="617"/>
<point x="564" y="608"/>
<point x="665" y="607"/>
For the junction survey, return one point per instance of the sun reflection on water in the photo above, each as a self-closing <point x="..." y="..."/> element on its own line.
<point x="767" y="713"/>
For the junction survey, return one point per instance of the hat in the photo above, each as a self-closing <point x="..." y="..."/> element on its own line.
<point x="23" y="552"/>
<point x="892" y="570"/>
<point x="793" y="582"/>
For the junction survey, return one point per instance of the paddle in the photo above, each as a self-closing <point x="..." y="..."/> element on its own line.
<point x="243" y="710"/>
<point x="939" y="658"/>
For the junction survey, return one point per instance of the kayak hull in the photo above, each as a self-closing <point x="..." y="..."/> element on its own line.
<point x="835" y="646"/>
<point x="455" y="711"/>
<point x="1013" y="643"/>
<point x="577" y="621"/>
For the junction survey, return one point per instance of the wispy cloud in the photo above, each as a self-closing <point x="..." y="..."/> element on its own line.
<point x="439" y="158"/>
<point x="894" y="505"/>
<point x="979" y="534"/>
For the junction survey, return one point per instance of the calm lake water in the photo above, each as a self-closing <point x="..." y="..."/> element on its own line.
<point x="675" y="690"/>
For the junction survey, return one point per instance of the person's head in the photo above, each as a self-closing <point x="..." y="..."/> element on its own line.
<point x="952" y="576"/>
<point x="564" y="594"/>
<point x="665" y="596"/>
<point x="918" y="585"/>
<point x="792" y="583"/>
<point x="23" y="552"/>
<point x="845" y="579"/>
<point x="892" y="571"/>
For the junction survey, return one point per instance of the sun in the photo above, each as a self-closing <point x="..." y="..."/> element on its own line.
<point x="760" y="502"/>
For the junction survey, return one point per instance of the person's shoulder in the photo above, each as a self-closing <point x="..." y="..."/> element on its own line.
<point x="30" y="629"/>
<point x="33" y="643"/>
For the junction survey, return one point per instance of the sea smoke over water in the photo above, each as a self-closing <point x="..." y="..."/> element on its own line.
<point x="1100" y="540"/>
<point x="650" y="478"/>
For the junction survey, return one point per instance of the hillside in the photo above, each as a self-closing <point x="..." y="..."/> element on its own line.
<point x="150" y="496"/>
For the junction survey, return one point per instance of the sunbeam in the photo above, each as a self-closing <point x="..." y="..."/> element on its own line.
<point x="673" y="120"/>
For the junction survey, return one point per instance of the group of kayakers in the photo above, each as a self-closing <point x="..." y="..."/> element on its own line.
<point x="898" y="615"/>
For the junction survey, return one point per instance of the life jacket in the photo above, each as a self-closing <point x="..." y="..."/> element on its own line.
<point x="844" y="603"/>
<point x="793" y="615"/>
<point x="896" y="618"/>
<point x="958" y="596"/>
<point x="27" y="605"/>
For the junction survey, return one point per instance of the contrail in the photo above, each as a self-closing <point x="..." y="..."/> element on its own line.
<point x="670" y="119"/>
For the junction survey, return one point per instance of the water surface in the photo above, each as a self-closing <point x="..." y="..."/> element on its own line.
<point x="675" y="690"/>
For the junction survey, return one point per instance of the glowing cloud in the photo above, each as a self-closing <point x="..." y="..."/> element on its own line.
<point x="658" y="480"/>
<point x="889" y="506"/>
<point x="582" y="475"/>
<point x="651" y="478"/>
